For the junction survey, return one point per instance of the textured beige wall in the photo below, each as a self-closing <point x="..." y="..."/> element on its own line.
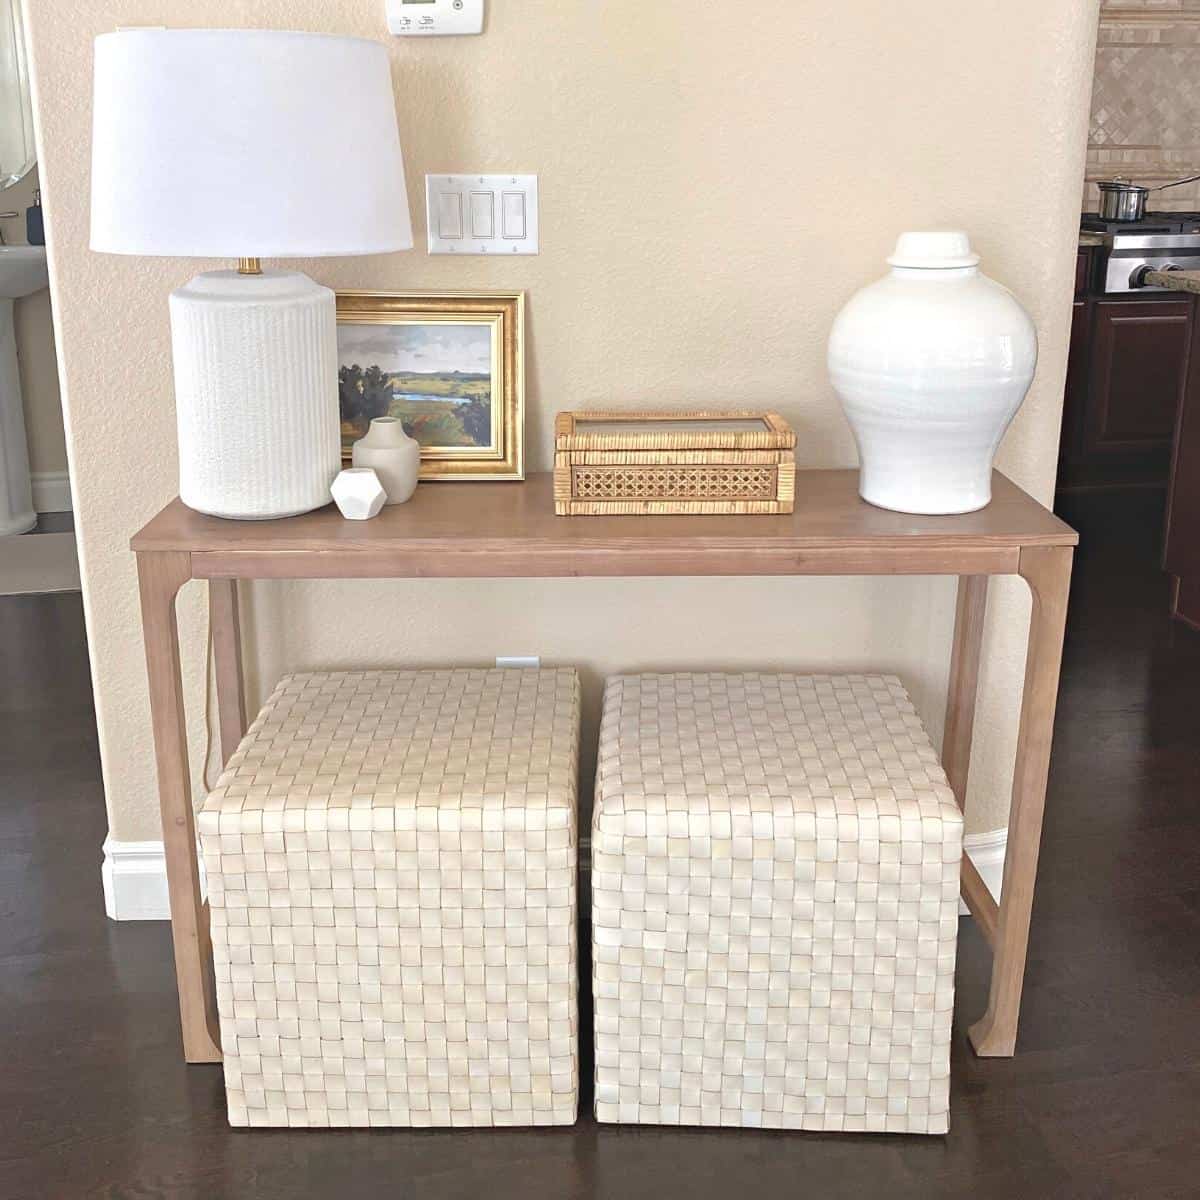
<point x="711" y="195"/>
<point x="35" y="351"/>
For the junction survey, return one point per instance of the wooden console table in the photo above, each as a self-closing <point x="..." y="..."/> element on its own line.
<point x="506" y="530"/>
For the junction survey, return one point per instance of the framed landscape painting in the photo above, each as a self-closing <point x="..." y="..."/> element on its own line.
<point x="450" y="366"/>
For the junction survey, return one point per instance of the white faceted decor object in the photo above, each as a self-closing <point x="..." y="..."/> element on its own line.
<point x="358" y="494"/>
<point x="775" y="869"/>
<point x="393" y="455"/>
<point x="931" y="364"/>
<point x="391" y="863"/>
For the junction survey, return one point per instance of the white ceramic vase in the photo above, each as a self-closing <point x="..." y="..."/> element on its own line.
<point x="931" y="364"/>
<point x="392" y="455"/>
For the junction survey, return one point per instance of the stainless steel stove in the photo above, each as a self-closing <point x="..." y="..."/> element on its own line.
<point x="1158" y="242"/>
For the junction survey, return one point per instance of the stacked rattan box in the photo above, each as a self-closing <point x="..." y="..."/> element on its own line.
<point x="775" y="865"/>
<point x="664" y="463"/>
<point x="391" y="861"/>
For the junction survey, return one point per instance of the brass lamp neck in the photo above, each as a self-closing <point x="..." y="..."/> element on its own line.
<point x="249" y="266"/>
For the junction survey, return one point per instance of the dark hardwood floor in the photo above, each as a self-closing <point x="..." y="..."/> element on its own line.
<point x="1102" y="1100"/>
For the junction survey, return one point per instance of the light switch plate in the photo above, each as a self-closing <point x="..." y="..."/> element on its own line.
<point x="434" y="18"/>
<point x="482" y="214"/>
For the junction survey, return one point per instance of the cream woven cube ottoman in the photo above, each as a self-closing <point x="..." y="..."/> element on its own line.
<point x="775" y="865"/>
<point x="391" y="860"/>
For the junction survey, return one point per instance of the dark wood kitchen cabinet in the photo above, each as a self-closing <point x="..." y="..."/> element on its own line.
<point x="1125" y="376"/>
<point x="1136" y="371"/>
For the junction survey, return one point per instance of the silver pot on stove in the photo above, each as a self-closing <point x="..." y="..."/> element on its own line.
<point x="1121" y="200"/>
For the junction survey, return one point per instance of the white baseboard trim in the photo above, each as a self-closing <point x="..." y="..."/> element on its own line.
<point x="135" y="874"/>
<point x="135" y="881"/>
<point x="986" y="851"/>
<point x="51" y="491"/>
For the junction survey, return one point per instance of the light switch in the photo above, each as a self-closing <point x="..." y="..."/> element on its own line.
<point x="450" y="214"/>
<point x="512" y="215"/>
<point x="482" y="214"/>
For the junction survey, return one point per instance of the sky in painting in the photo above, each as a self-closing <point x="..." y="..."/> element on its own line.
<point x="427" y="349"/>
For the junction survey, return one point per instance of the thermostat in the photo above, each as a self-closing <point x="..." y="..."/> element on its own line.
<point x="434" y="18"/>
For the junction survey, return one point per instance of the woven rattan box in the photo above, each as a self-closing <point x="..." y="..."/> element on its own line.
<point x="635" y="463"/>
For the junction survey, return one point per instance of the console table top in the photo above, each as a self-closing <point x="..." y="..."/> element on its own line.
<point x="509" y="529"/>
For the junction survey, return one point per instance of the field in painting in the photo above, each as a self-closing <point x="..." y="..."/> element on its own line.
<point x="436" y="377"/>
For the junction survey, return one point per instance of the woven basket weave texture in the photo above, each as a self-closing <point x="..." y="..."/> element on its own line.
<point x="775" y="869"/>
<point x="391" y="859"/>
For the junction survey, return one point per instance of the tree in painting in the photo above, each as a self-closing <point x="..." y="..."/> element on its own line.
<point x="364" y="395"/>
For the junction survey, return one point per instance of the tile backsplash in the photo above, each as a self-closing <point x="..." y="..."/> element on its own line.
<point x="1145" y="121"/>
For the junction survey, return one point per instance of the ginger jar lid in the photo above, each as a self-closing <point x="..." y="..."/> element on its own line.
<point x="939" y="250"/>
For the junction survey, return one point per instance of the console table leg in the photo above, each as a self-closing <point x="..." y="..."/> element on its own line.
<point x="964" y="682"/>
<point x="227" y="661"/>
<point x="1047" y="570"/>
<point x="160" y="576"/>
<point x="960" y="728"/>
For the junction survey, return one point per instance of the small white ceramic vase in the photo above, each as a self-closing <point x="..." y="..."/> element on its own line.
<point x="392" y="455"/>
<point x="931" y="364"/>
<point x="358" y="494"/>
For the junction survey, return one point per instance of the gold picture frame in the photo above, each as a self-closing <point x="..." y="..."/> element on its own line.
<point x="461" y="357"/>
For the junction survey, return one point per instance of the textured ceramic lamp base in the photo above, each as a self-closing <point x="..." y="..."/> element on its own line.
<point x="255" y="394"/>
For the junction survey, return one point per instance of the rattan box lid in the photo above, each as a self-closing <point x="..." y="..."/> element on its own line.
<point x="740" y="429"/>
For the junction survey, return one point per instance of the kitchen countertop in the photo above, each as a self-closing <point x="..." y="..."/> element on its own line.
<point x="1089" y="238"/>
<point x="1176" y="281"/>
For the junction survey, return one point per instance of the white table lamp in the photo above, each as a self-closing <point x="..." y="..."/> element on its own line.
<point x="249" y="144"/>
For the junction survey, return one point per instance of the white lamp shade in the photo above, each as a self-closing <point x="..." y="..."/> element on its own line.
<point x="227" y="143"/>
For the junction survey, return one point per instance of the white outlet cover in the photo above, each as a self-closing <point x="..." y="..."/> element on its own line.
<point x="482" y="214"/>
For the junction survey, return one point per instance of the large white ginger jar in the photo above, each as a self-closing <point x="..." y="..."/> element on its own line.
<point x="931" y="363"/>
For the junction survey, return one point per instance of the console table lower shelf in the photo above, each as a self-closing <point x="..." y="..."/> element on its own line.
<point x="506" y="530"/>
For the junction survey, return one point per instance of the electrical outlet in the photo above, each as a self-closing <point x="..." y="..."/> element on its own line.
<point x="532" y="661"/>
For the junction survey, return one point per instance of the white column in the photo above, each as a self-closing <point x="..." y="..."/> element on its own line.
<point x="16" y="494"/>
